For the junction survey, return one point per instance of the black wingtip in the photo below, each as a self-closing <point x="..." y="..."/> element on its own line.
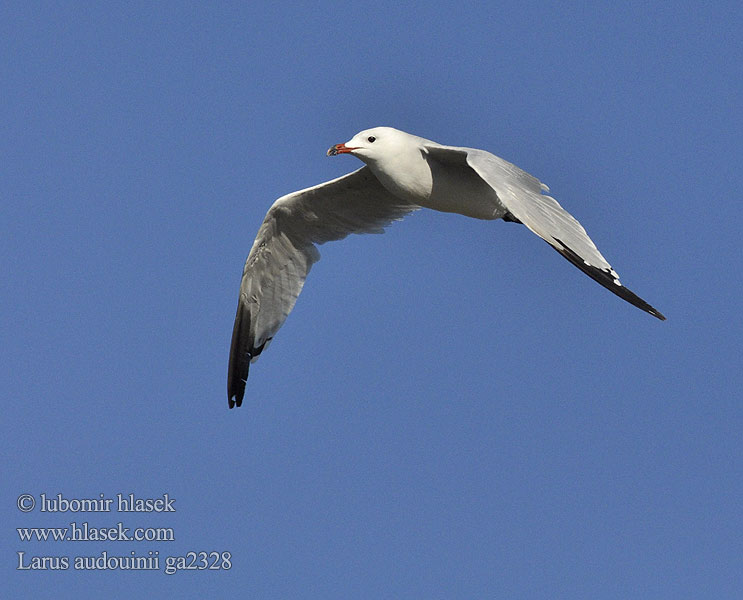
<point x="237" y="372"/>
<point x="657" y="314"/>
<point x="237" y="375"/>
<point x="606" y="279"/>
<point x="235" y="392"/>
<point x="234" y="401"/>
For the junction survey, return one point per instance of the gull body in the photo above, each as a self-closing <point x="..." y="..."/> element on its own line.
<point x="401" y="163"/>
<point x="402" y="173"/>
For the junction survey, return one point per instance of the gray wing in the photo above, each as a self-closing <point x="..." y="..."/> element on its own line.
<point x="284" y="251"/>
<point x="523" y="197"/>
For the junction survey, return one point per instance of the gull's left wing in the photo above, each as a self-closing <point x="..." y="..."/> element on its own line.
<point x="525" y="199"/>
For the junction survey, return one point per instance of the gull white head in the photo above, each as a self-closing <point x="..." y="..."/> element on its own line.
<point x="395" y="158"/>
<point x="372" y="144"/>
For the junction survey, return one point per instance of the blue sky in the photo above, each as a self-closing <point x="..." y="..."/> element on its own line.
<point x="452" y="410"/>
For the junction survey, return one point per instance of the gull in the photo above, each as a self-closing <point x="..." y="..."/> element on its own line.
<point x="402" y="173"/>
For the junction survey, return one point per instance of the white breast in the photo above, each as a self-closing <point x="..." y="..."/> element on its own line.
<point x="406" y="175"/>
<point x="413" y="175"/>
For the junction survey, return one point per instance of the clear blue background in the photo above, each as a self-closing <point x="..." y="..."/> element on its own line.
<point x="452" y="410"/>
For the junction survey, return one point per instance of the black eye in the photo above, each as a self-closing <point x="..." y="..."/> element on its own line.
<point x="371" y="139"/>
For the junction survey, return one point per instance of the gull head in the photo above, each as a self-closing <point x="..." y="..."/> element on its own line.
<point x="372" y="144"/>
<point x="396" y="158"/>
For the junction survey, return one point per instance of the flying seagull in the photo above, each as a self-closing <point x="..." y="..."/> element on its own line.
<point x="402" y="173"/>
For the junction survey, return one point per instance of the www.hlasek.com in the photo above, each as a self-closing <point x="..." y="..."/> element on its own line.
<point x="85" y="532"/>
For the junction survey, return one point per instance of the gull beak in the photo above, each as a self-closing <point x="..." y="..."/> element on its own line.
<point x="339" y="149"/>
